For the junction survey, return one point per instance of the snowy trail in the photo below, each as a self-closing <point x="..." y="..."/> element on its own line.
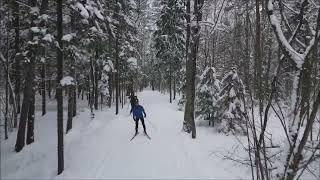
<point x="108" y="152"/>
<point x="101" y="148"/>
<point x="115" y="156"/>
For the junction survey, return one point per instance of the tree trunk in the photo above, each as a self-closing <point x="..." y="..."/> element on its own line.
<point x="117" y="76"/>
<point x="30" y="132"/>
<point x="59" y="88"/>
<point x="160" y="79"/>
<point x="49" y="88"/>
<point x="20" y="142"/>
<point x="31" y="115"/>
<point x="79" y="90"/>
<point x="27" y="111"/>
<point x="70" y="108"/>
<point x="258" y="86"/>
<point x="186" y="125"/>
<point x="101" y="101"/>
<point x="195" y="39"/>
<point x="96" y="90"/>
<point x="92" y="86"/>
<point x="74" y="105"/>
<point x="258" y="59"/>
<point x="16" y="24"/>
<point x="114" y="84"/>
<point x="72" y="95"/>
<point x="152" y="84"/>
<point x="110" y="89"/>
<point x="174" y="89"/>
<point x="170" y="84"/>
<point x="7" y="100"/>
<point x="246" y="64"/>
<point x="73" y="74"/>
<point x="43" y="87"/>
<point x="43" y="9"/>
<point x="88" y="89"/>
<point x="82" y="94"/>
<point x="122" y="95"/>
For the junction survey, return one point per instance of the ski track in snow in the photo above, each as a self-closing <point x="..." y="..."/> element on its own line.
<point x="101" y="147"/>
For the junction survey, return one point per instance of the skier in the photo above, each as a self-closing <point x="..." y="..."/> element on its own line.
<point x="138" y="114"/>
<point x="133" y="99"/>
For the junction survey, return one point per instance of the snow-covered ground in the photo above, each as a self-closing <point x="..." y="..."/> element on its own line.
<point x="101" y="147"/>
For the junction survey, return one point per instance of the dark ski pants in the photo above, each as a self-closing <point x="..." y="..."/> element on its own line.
<point x="137" y="124"/>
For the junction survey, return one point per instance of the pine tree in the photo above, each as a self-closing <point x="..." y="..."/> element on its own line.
<point x="88" y="46"/>
<point x="208" y="94"/>
<point x="37" y="37"/>
<point x="231" y="104"/>
<point x="169" y="39"/>
<point x="124" y="42"/>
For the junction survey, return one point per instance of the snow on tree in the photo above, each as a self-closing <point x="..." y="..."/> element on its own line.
<point x="169" y="40"/>
<point x="182" y="88"/>
<point x="132" y="63"/>
<point x="230" y="115"/>
<point x="67" y="81"/>
<point x="124" y="43"/>
<point x="208" y="94"/>
<point x="302" y="57"/>
<point x="104" y="82"/>
<point x="37" y="30"/>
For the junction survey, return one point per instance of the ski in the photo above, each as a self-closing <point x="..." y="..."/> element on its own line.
<point x="134" y="136"/>
<point x="147" y="136"/>
<point x="138" y="133"/>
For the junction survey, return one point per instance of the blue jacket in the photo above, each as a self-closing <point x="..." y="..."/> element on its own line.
<point x="137" y="112"/>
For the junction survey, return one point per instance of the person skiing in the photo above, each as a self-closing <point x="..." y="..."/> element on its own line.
<point x="133" y="99"/>
<point x="138" y="113"/>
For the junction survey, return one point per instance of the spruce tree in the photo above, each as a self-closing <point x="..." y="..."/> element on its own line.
<point x="169" y="40"/>
<point x="208" y="94"/>
<point x="231" y="104"/>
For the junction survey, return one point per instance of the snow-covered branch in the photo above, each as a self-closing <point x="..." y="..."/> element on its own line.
<point x="295" y="56"/>
<point x="67" y="81"/>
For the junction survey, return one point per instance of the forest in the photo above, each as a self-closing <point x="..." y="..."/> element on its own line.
<point x="235" y="82"/>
